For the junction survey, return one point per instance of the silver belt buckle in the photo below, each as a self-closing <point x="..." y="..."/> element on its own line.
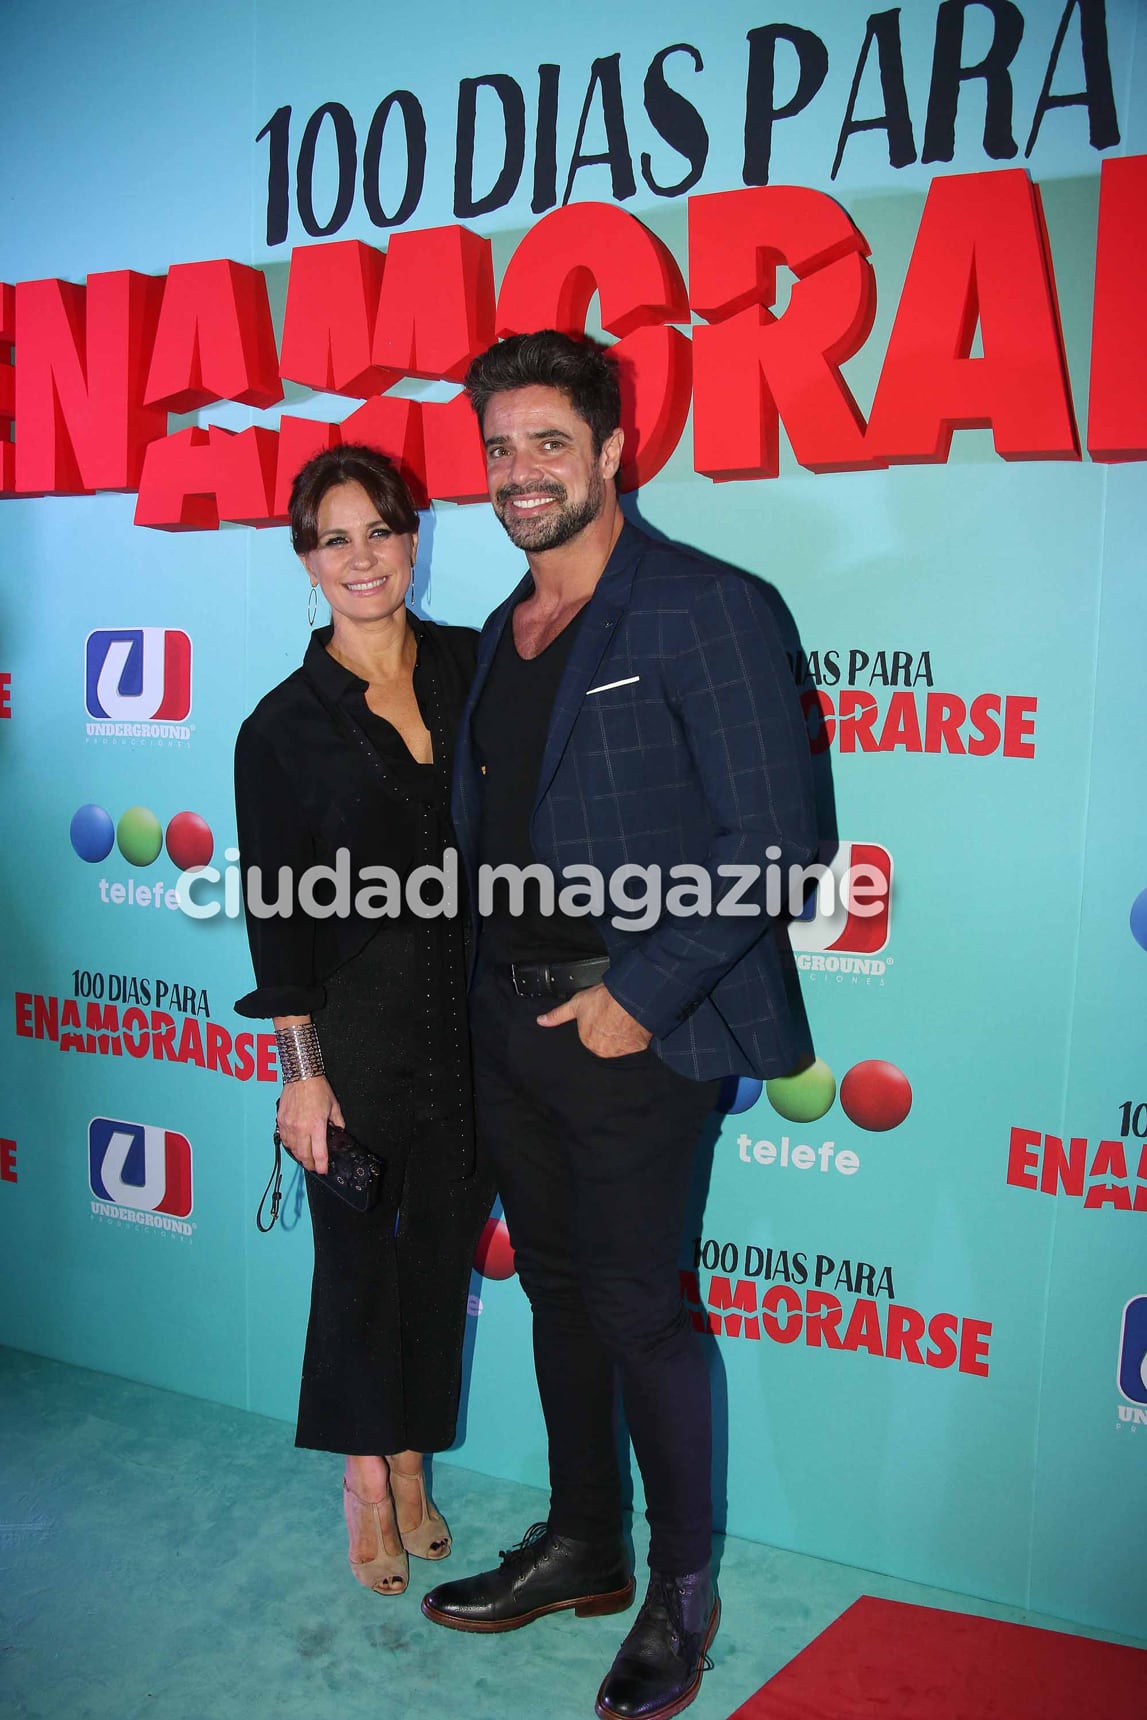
<point x="521" y="985"/>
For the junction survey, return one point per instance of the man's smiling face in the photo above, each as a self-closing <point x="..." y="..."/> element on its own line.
<point x="546" y="480"/>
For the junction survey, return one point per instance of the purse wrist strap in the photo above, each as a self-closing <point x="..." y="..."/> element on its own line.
<point x="274" y="1188"/>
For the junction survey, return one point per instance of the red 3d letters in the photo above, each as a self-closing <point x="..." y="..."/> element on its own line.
<point x="7" y="390"/>
<point x="981" y="258"/>
<point x="328" y="323"/>
<point x="83" y="420"/>
<point x="753" y="370"/>
<point x="215" y="339"/>
<point x="89" y="373"/>
<point x="198" y="477"/>
<point x="549" y="283"/>
<point x="1117" y="410"/>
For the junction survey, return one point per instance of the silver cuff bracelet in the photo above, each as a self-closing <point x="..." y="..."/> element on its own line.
<point x="300" y="1054"/>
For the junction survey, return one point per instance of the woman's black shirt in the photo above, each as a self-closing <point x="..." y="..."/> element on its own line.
<point x="316" y="771"/>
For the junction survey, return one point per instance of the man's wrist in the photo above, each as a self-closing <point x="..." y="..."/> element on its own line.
<point x="635" y="1009"/>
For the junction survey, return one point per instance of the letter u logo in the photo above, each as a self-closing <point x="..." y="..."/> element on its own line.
<point x="140" y="1165"/>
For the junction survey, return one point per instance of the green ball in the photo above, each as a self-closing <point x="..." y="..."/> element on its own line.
<point x="805" y="1097"/>
<point x="139" y="835"/>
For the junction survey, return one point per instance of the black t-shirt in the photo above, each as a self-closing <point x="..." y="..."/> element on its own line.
<point x="509" y="726"/>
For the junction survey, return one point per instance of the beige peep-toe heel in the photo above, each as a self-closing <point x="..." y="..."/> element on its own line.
<point x="431" y="1538"/>
<point x="386" y="1573"/>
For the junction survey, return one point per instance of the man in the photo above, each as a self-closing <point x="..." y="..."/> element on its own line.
<point x="632" y="708"/>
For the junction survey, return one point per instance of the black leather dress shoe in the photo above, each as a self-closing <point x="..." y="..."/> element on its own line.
<point x="657" y="1670"/>
<point x="544" y="1573"/>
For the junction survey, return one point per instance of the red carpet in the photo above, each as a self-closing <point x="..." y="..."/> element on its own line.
<point x="883" y="1660"/>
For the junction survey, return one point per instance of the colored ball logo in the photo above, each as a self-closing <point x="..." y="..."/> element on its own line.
<point x="1139" y="919"/>
<point x="494" y="1255"/>
<point x="876" y="1095"/>
<point x="140" y="837"/>
<point x="805" y="1097"/>
<point x="92" y="833"/>
<point x="738" y="1093"/>
<point x="189" y="840"/>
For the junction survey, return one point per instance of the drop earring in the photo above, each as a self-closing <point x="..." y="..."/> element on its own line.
<point x="410" y="585"/>
<point x="312" y="605"/>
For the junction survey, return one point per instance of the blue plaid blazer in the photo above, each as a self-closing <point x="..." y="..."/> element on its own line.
<point x="676" y="736"/>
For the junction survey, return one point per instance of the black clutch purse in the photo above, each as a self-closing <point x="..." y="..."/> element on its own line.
<point x="353" y="1174"/>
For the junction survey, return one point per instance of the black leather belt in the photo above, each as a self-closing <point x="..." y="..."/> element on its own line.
<point x="557" y="979"/>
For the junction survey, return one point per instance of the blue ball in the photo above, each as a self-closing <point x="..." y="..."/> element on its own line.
<point x="1139" y="919"/>
<point x="92" y="833"/>
<point x="738" y="1093"/>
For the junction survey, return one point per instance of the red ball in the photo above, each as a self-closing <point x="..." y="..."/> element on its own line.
<point x="876" y="1095"/>
<point x="494" y="1255"/>
<point x="189" y="840"/>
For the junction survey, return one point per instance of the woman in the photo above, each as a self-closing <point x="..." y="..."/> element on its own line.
<point x="346" y="765"/>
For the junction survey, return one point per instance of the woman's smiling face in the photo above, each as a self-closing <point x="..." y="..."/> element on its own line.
<point x="361" y="566"/>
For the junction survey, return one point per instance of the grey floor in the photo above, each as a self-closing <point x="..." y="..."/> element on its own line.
<point x="168" y="1558"/>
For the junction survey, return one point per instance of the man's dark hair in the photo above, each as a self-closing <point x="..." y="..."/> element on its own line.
<point x="583" y="371"/>
<point x="348" y="463"/>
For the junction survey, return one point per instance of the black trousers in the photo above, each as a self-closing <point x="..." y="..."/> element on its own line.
<point x="383" y="1360"/>
<point x="593" y="1159"/>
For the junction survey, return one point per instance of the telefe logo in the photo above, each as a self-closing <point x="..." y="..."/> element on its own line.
<point x="139" y="836"/>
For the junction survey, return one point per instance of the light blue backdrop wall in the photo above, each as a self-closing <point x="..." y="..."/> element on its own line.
<point x="1012" y="991"/>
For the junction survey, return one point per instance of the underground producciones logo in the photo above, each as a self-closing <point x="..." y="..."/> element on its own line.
<point x="1131" y="1372"/>
<point x="140" y="1173"/>
<point x="137" y="684"/>
<point x="849" y="912"/>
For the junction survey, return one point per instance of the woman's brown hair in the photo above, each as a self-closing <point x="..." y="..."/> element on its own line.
<point x="349" y="463"/>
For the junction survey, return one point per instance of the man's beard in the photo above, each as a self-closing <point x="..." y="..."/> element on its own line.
<point x="554" y="527"/>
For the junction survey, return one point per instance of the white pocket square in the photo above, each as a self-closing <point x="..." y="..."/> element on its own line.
<point x="608" y="686"/>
